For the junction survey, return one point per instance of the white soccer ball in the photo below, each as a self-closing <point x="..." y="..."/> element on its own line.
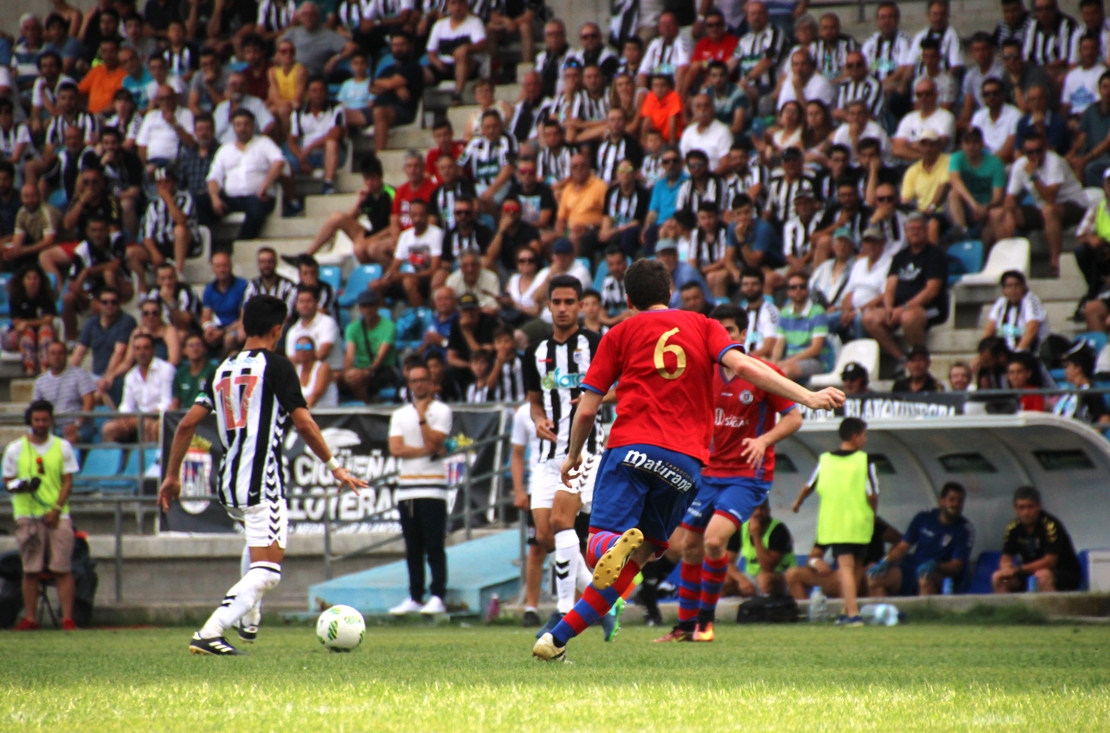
<point x="340" y="628"/>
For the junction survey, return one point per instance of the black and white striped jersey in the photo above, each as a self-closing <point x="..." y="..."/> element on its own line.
<point x="456" y="242"/>
<point x="781" y="192"/>
<point x="832" y="56"/>
<point x="181" y="62"/>
<point x="282" y="287"/>
<point x="770" y="43"/>
<point x="609" y="154"/>
<point x="275" y="15"/>
<point x="485" y="158"/>
<point x="826" y="185"/>
<point x="477" y="393"/>
<point x="884" y="55"/>
<point x="743" y="182"/>
<point x="624" y="209"/>
<point x="603" y="58"/>
<point x="19" y="133"/>
<point x="706" y="252"/>
<point x="869" y="90"/>
<point x="689" y="198"/>
<point x="386" y="9"/>
<point x="796" y="236"/>
<point x="350" y="13"/>
<point x="553" y="164"/>
<point x="484" y="8"/>
<point x="568" y="106"/>
<point x="1004" y="31"/>
<point x="185" y="299"/>
<point x="158" y="224"/>
<point x="652" y="169"/>
<point x="253" y="395"/>
<point x="510" y="382"/>
<point x="594" y="109"/>
<point x="444" y="198"/>
<point x="624" y="17"/>
<point x="556" y="371"/>
<point x="56" y="130"/>
<point x="665" y="58"/>
<point x="525" y="123"/>
<point x="951" y="52"/>
<point x="612" y="296"/>
<point x="1046" y="45"/>
<point x="549" y="64"/>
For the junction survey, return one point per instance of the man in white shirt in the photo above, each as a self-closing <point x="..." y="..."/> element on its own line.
<point x="148" y="387"/>
<point x="417" y="434"/>
<point x="453" y="46"/>
<point x="236" y="99"/>
<point x="316" y="135"/>
<point x="421" y="246"/>
<point x="1059" y="201"/>
<point x="668" y="54"/>
<point x="866" y="282"/>
<point x="165" y="130"/>
<point x="927" y="115"/>
<point x="707" y="134"/>
<point x="320" y="327"/>
<point x="805" y="84"/>
<point x="243" y="175"/>
<point x="997" y="120"/>
<point x="1081" y="83"/>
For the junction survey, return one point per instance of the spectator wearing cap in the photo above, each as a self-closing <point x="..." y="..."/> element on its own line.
<point x="471" y="332"/>
<point x="830" y="278"/>
<point x="370" y="361"/>
<point x="802" y="348"/>
<point x="244" y="176"/>
<point x="917" y="377"/>
<point x="1079" y="368"/>
<point x="977" y="179"/>
<point x="563" y="262"/>
<point x="666" y="251"/>
<point x="855" y="380"/>
<point x="866" y="283"/>
<point x="1059" y="202"/>
<point x="916" y="293"/>
<point x="925" y="185"/>
<point x="169" y="228"/>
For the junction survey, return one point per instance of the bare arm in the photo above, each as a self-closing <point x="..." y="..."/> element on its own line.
<point x="768" y="379"/>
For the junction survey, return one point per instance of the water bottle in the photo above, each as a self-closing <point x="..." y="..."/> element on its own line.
<point x="818" y="605"/>
<point x="493" y="610"/>
<point x="879" y="614"/>
<point x="947" y="587"/>
<point x="1031" y="584"/>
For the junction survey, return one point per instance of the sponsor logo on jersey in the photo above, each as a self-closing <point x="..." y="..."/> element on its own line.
<point x="559" y="379"/>
<point x="666" y="471"/>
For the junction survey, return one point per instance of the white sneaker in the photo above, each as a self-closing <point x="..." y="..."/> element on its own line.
<point x="434" y="605"/>
<point x="406" y="606"/>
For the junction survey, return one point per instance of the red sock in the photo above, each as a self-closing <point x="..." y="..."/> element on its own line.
<point x="689" y="592"/>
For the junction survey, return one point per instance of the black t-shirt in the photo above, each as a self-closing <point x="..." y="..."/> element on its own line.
<point x="541" y="199"/>
<point x="377" y="209"/>
<point x="123" y="173"/>
<point x="414" y="82"/>
<point x="915" y="270"/>
<point x="483" y="333"/>
<point x="107" y="208"/>
<point x="455" y="242"/>
<point x="512" y="243"/>
<point x="904" y="385"/>
<point x="1048" y="538"/>
<point x="29" y="310"/>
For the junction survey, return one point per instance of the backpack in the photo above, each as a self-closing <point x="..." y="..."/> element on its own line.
<point x="768" y="610"/>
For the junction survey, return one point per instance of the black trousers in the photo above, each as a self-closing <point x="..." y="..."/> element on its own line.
<point x="424" y="526"/>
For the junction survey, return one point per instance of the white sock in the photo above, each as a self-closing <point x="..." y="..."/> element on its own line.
<point x="242" y="596"/>
<point x="566" y="571"/>
<point x="254" y="615"/>
<point x="584" y="575"/>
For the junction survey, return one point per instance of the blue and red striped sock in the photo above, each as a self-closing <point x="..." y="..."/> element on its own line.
<point x="599" y="544"/>
<point x="712" y="578"/>
<point x="689" y="594"/>
<point x="593" y="605"/>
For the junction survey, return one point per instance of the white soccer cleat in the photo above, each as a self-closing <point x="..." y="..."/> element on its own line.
<point x="609" y="567"/>
<point x="546" y="651"/>
<point x="434" y="605"/>
<point x="405" y="607"/>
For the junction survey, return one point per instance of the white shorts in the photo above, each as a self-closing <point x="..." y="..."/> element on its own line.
<point x="547" y="479"/>
<point x="264" y="524"/>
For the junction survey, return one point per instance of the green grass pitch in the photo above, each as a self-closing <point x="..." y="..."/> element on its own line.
<point x="452" y="678"/>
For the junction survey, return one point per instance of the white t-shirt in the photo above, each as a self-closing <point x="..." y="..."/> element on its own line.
<point x="69" y="458"/>
<point x="225" y="132"/>
<point x="941" y="121"/>
<point x="1010" y="320"/>
<point x="241" y="172"/>
<point x="995" y="132"/>
<point x="322" y="330"/>
<point x="714" y="142"/>
<point x="867" y="283"/>
<point x="309" y="127"/>
<point x="843" y="136"/>
<point x="419" y="249"/>
<point x="159" y="137"/>
<point x="152" y="394"/>
<point x="444" y="39"/>
<point x="426" y="477"/>
<point x="818" y="87"/>
<point x="1054" y="171"/>
<point x="524" y="434"/>
<point x="1081" y="87"/>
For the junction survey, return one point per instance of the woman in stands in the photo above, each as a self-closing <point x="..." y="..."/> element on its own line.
<point x="316" y="378"/>
<point x="525" y="288"/>
<point x="788" y="133"/>
<point x="483" y="93"/>
<point x="33" y="310"/>
<point x="818" y="132"/>
<point x="288" y="84"/>
<point x="625" y="95"/>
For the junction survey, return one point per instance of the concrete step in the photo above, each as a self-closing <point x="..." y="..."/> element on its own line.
<point x="403" y="139"/>
<point x="1059" y="316"/>
<point x="459" y="116"/>
<point x="21" y="390"/>
<point x="8" y="433"/>
<point x="317" y="207"/>
<point x="244" y="260"/>
<point x="277" y="227"/>
<point x="956" y="341"/>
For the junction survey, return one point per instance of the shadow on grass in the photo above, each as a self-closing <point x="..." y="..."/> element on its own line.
<point x="980" y="614"/>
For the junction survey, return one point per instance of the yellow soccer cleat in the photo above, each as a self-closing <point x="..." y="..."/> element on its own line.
<point x="704" y="633"/>
<point x="609" y="566"/>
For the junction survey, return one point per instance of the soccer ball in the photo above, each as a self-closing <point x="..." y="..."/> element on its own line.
<point x="340" y="628"/>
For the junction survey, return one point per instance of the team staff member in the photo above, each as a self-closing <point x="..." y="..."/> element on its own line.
<point x="1036" y="545"/>
<point x="44" y="465"/>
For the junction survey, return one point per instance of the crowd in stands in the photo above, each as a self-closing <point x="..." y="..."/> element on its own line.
<point x="762" y="154"/>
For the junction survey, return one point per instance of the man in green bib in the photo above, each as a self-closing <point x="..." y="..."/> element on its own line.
<point x="38" y="472"/>
<point x="767" y="547"/>
<point x="846" y="481"/>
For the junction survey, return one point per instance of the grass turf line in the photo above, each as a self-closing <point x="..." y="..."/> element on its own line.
<point x="804" y="678"/>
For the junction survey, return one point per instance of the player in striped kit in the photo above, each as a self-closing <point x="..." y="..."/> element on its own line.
<point x="254" y="394"/>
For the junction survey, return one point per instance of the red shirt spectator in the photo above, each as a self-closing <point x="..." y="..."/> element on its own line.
<point x="707" y="49"/>
<point x="455" y="146"/>
<point x="405" y="194"/>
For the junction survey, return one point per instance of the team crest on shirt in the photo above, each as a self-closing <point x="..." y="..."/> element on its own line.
<point x="746" y="397"/>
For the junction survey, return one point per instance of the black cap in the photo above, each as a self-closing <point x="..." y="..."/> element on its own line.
<point x="853" y="370"/>
<point x="468" y="300"/>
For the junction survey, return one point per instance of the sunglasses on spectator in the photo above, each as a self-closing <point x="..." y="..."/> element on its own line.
<point x="150" y="313"/>
<point x="1034" y="151"/>
<point x="795" y="287"/>
<point x="671" y="161"/>
<point x="854" y="65"/>
<point x="885" y="199"/>
<point x="110" y="301"/>
<point x="303" y="347"/>
<point x="526" y="261"/>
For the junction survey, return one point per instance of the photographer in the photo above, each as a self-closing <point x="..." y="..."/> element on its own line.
<point x="38" y="473"/>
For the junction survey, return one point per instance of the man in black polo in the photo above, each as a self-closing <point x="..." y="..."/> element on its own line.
<point x="1036" y="546"/>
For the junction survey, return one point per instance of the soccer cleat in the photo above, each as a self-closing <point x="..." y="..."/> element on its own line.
<point x="611" y="622"/>
<point x="247" y="632"/>
<point x="552" y="622"/>
<point x="69" y="624"/>
<point x="531" y="618"/>
<point x="676" y="634"/>
<point x="27" y="624"/>
<point x="217" y="647"/>
<point x="406" y="606"/>
<point x="433" y="606"/>
<point x="704" y="633"/>
<point x="608" y="568"/>
<point x="546" y="651"/>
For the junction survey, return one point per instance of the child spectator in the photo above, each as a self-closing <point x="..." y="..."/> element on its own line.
<point x="1020" y="373"/>
<point x="481" y="365"/>
<point x="591" y="312"/>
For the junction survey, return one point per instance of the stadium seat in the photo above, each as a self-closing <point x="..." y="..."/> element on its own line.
<point x="5" y="301"/>
<point x="864" y="351"/>
<point x="984" y="569"/>
<point x="332" y="275"/>
<point x="412" y="324"/>
<point x="1095" y="339"/>
<point x="99" y="464"/>
<point x="601" y="274"/>
<point x="357" y="281"/>
<point x="964" y="258"/>
<point x="1006" y="254"/>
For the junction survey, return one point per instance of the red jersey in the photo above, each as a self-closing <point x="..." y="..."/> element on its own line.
<point x="664" y="361"/>
<point x="743" y="411"/>
<point x="405" y="194"/>
<point x="706" y="50"/>
<point x="430" y="160"/>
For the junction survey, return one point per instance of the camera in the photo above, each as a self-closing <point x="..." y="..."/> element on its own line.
<point x="24" y="486"/>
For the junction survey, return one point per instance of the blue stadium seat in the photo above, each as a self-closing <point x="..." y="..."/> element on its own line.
<point x="412" y="324"/>
<point x="98" y="464"/>
<point x="964" y="258"/>
<point x="357" y="282"/>
<point x="601" y="274"/>
<point x="332" y="275"/>
<point x="1095" y="339"/>
<point x="984" y="569"/>
<point x="388" y="394"/>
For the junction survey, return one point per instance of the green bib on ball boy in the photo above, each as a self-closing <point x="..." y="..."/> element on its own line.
<point x="53" y="465"/>
<point x="747" y="550"/>
<point x="844" y="517"/>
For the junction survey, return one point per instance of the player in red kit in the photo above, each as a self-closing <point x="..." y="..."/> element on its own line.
<point x="662" y="362"/>
<point x="736" y="481"/>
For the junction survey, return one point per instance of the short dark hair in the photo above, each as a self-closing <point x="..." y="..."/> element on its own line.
<point x="741" y="201"/>
<point x="146" y="336"/>
<point x="589" y="293"/>
<point x="792" y="155"/>
<point x="647" y="283"/>
<point x="973" y="134"/>
<point x="262" y="313"/>
<point x="1026" y="493"/>
<point x="697" y="153"/>
<point x="49" y="54"/>
<point x="242" y="112"/>
<point x="411" y="361"/>
<point x="708" y="207"/>
<point x="930" y="43"/>
<point x="1012" y="42"/>
<point x="204" y="117"/>
<point x="869" y="143"/>
<point x="6" y="166"/>
<point x="984" y="37"/>
<point x="566" y="281"/>
<point x="6" y="105"/>
<point x="614" y="249"/>
<point x="502" y="332"/>
<point x="635" y="41"/>
<point x="690" y="285"/>
<point x="850" y="427"/>
<point x="951" y="486"/>
<point x="1016" y="274"/>
<point x="441" y="123"/>
<point x="371" y="166"/>
<point x="753" y="272"/>
<point x="433" y="356"/>
<point x="1082" y="357"/>
<point x="38" y="406"/>
<point x="111" y="132"/>
<point x="313" y="290"/>
<point x="716" y="64"/>
<point x="255" y="40"/>
<point x="995" y="345"/>
<point x="730" y="311"/>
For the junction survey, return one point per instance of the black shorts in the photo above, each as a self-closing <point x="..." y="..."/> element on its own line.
<point x="839" y="549"/>
<point x="582" y="528"/>
<point x="403" y="114"/>
<point x="734" y="543"/>
<point x="1034" y="219"/>
<point x="449" y="74"/>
